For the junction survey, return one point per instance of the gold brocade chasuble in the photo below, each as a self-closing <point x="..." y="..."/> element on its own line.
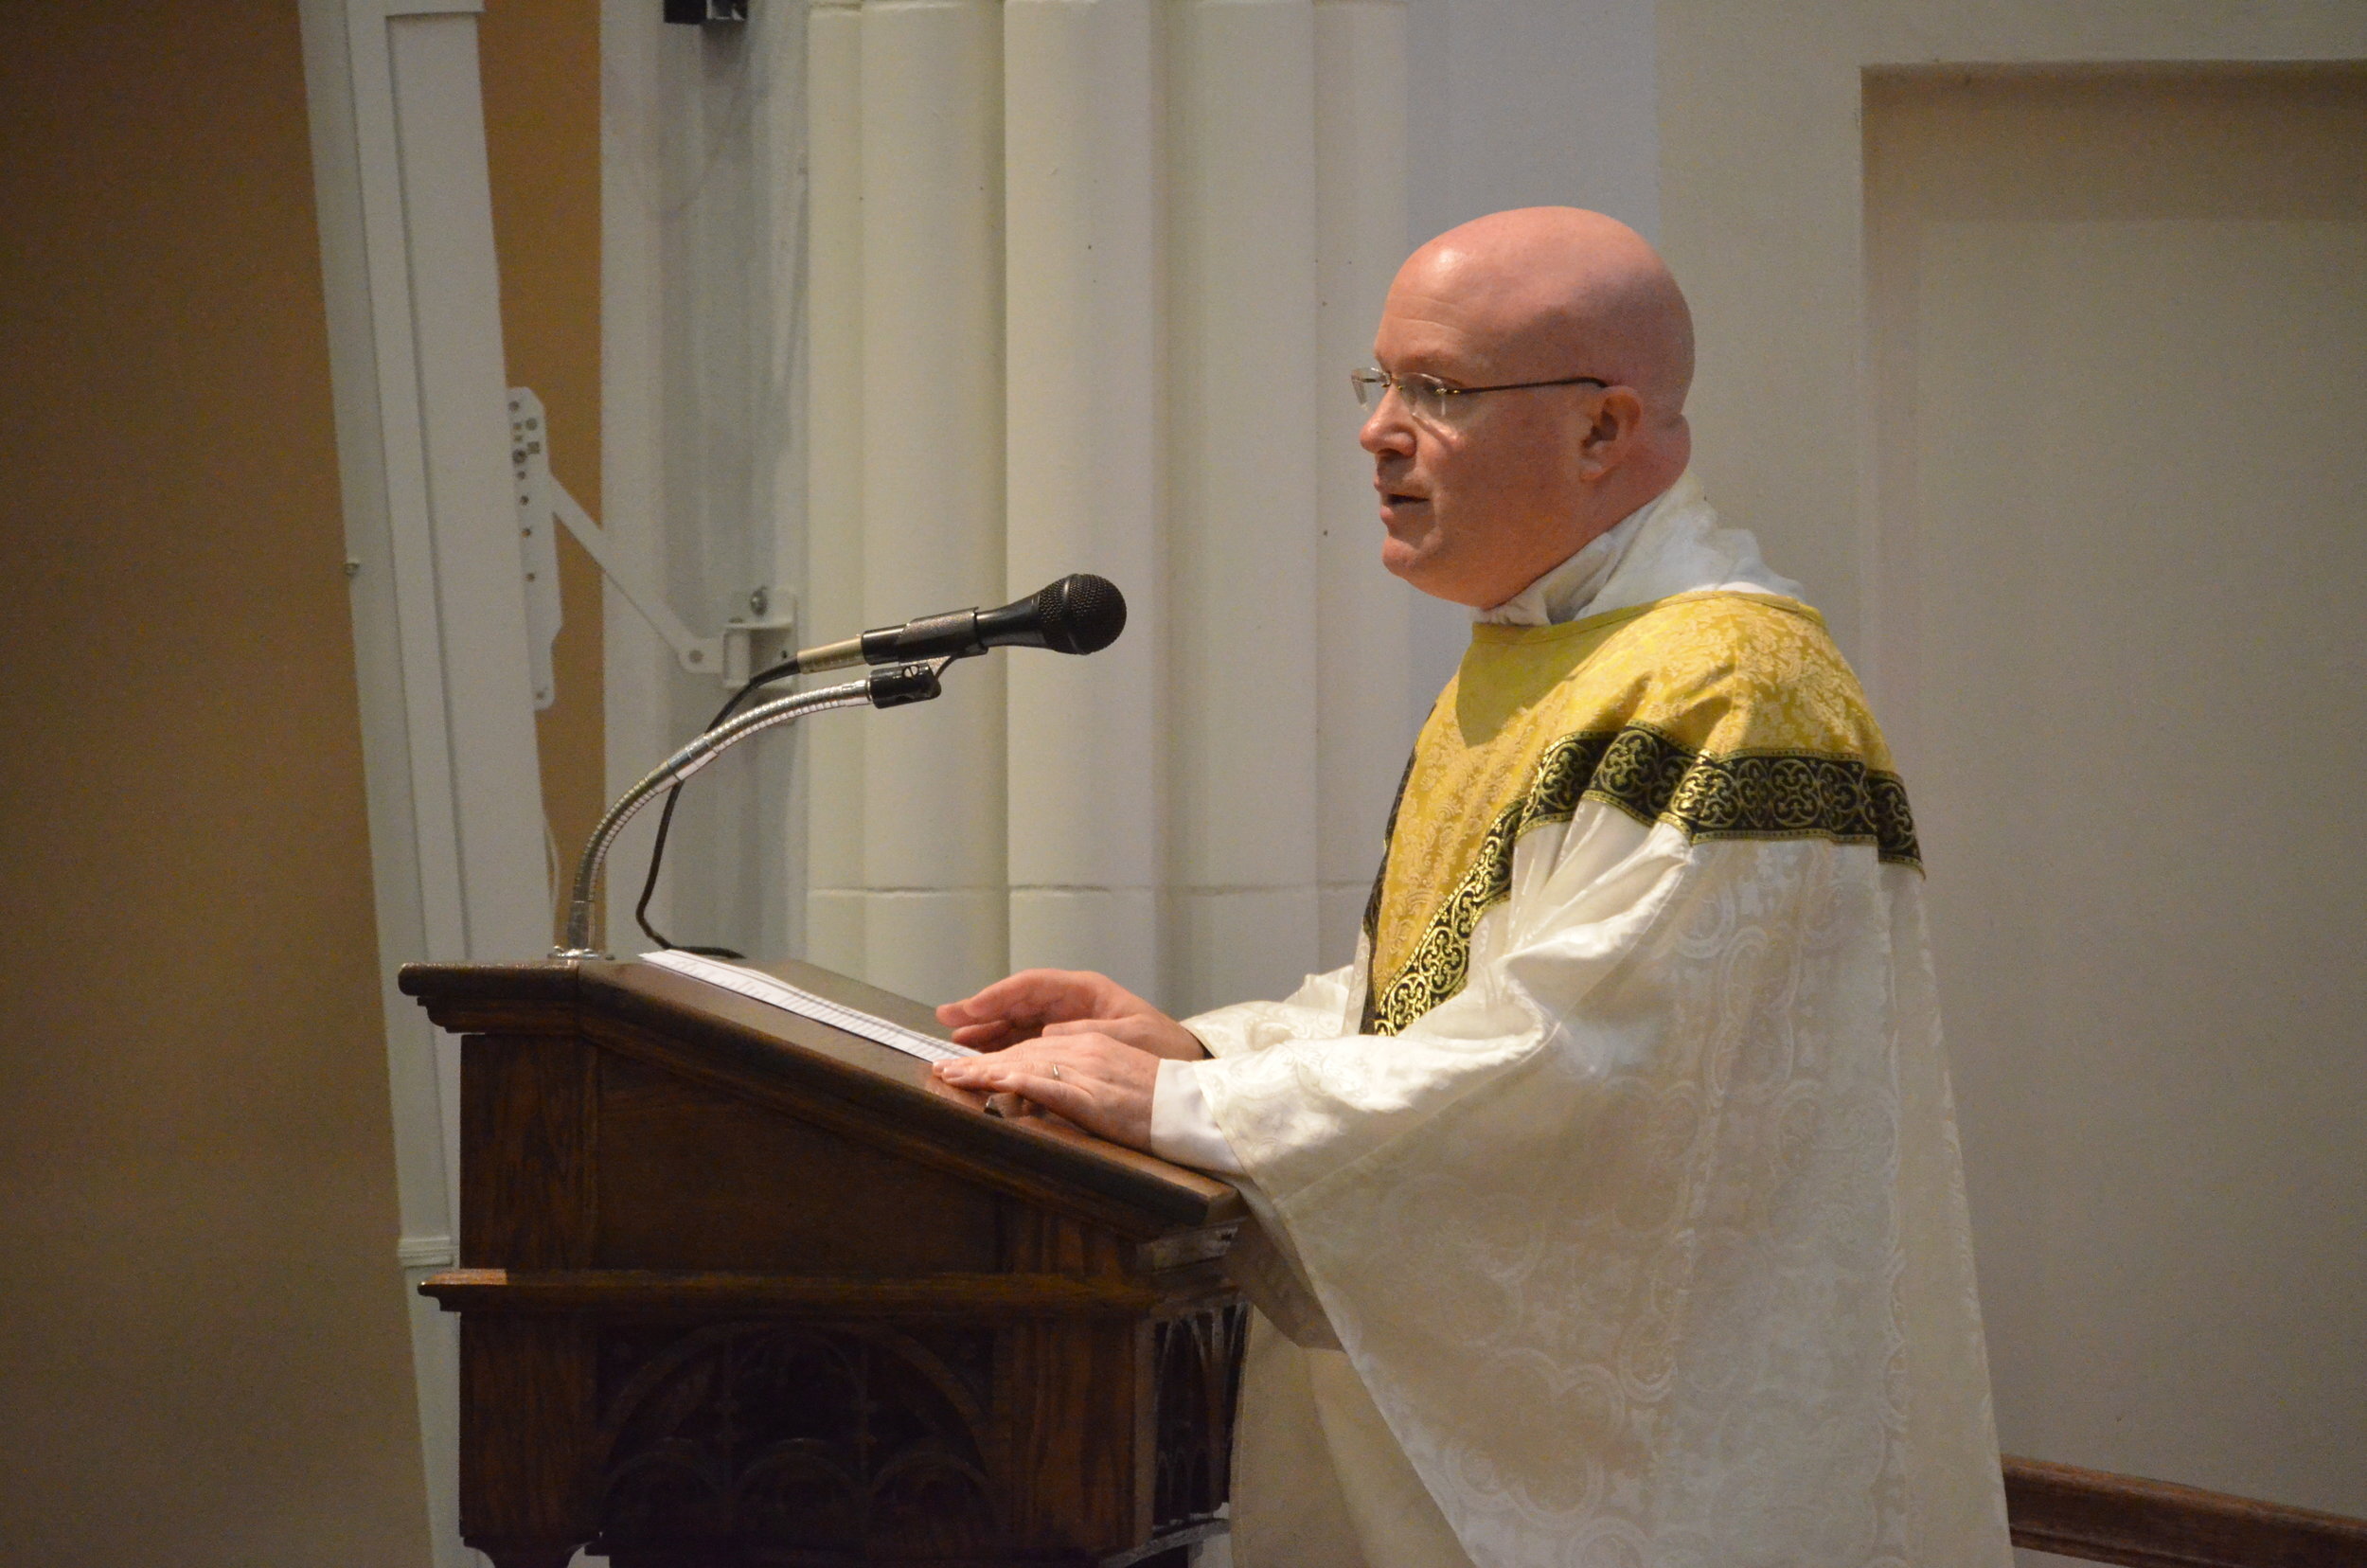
<point x="1726" y="715"/>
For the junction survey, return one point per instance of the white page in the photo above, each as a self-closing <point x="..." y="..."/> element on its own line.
<point x="775" y="991"/>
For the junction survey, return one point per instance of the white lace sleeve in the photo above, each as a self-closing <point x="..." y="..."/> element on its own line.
<point x="1324" y="1006"/>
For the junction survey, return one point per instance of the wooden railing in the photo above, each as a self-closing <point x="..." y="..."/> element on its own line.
<point x="2104" y="1518"/>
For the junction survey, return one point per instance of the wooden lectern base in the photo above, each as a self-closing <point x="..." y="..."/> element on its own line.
<point x="738" y="1288"/>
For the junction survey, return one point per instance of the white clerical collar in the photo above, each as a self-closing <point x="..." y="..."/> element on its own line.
<point x="1671" y="544"/>
<point x="1565" y="591"/>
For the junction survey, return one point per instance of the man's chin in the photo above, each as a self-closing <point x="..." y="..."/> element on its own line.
<point x="1416" y="569"/>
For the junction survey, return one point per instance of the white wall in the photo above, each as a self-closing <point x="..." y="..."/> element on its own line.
<point x="1530" y="103"/>
<point x="1522" y="103"/>
<point x="2143" y="1261"/>
<point x="2121" y="460"/>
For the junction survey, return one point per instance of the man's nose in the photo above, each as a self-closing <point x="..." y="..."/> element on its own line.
<point x="1387" y="432"/>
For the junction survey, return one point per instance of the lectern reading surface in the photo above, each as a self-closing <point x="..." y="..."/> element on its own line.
<point x="738" y="1287"/>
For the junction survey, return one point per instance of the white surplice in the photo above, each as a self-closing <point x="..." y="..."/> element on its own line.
<point x="1646" y="1244"/>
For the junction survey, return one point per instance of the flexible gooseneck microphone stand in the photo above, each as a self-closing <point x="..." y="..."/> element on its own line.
<point x="889" y="686"/>
<point x="1079" y="614"/>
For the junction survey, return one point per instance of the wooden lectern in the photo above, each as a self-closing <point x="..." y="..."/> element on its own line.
<point x="740" y="1287"/>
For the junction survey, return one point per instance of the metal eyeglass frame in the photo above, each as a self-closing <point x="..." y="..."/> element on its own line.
<point x="1415" y="386"/>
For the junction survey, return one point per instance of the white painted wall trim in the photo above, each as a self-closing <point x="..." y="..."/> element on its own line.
<point x="440" y="618"/>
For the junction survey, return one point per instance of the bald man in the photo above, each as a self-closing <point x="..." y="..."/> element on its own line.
<point x="1609" y="1205"/>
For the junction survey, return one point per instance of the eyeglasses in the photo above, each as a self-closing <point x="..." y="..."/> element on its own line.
<point x="1431" y="399"/>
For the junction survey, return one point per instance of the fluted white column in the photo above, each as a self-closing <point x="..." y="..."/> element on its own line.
<point x="1364" y="729"/>
<point x="1083" y="281"/>
<point x="1081" y="182"/>
<point x="937" y="912"/>
<point x="1242" y="557"/>
<point x="832" y="606"/>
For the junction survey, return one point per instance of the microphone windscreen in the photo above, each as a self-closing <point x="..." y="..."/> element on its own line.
<point x="1081" y="613"/>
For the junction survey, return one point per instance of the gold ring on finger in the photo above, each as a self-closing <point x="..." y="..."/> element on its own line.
<point x="1056" y="1069"/>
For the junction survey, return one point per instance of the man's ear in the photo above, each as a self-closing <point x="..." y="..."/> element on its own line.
<point x="1618" y="419"/>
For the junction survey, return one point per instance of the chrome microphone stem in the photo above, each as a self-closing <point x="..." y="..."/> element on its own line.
<point x="688" y="760"/>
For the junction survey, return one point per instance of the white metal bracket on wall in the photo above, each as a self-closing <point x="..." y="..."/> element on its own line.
<point x="748" y="643"/>
<point x="538" y="544"/>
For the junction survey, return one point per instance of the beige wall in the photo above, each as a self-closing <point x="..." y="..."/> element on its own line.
<point x="202" y="1333"/>
<point x="540" y="60"/>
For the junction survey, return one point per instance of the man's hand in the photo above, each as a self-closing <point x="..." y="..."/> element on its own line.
<point x="1035" y="1002"/>
<point x="1103" y="1085"/>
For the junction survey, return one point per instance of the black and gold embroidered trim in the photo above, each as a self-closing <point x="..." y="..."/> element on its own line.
<point x="1652" y="779"/>
<point x="1380" y="880"/>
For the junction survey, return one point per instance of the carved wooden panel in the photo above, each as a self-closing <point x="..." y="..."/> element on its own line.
<point x="1197" y="1362"/>
<point x="773" y="1442"/>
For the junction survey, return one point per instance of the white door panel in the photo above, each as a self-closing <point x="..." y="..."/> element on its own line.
<point x="2121" y="331"/>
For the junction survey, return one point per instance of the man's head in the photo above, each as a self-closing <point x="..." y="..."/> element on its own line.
<point x="1481" y="502"/>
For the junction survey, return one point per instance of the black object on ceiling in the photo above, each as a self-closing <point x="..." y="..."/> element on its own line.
<point x="698" y="12"/>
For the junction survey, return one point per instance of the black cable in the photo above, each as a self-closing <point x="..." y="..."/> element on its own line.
<point x="666" y="822"/>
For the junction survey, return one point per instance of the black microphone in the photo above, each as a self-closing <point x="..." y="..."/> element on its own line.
<point x="1081" y="613"/>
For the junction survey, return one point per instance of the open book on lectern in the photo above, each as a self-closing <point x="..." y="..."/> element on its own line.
<point x="772" y="989"/>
